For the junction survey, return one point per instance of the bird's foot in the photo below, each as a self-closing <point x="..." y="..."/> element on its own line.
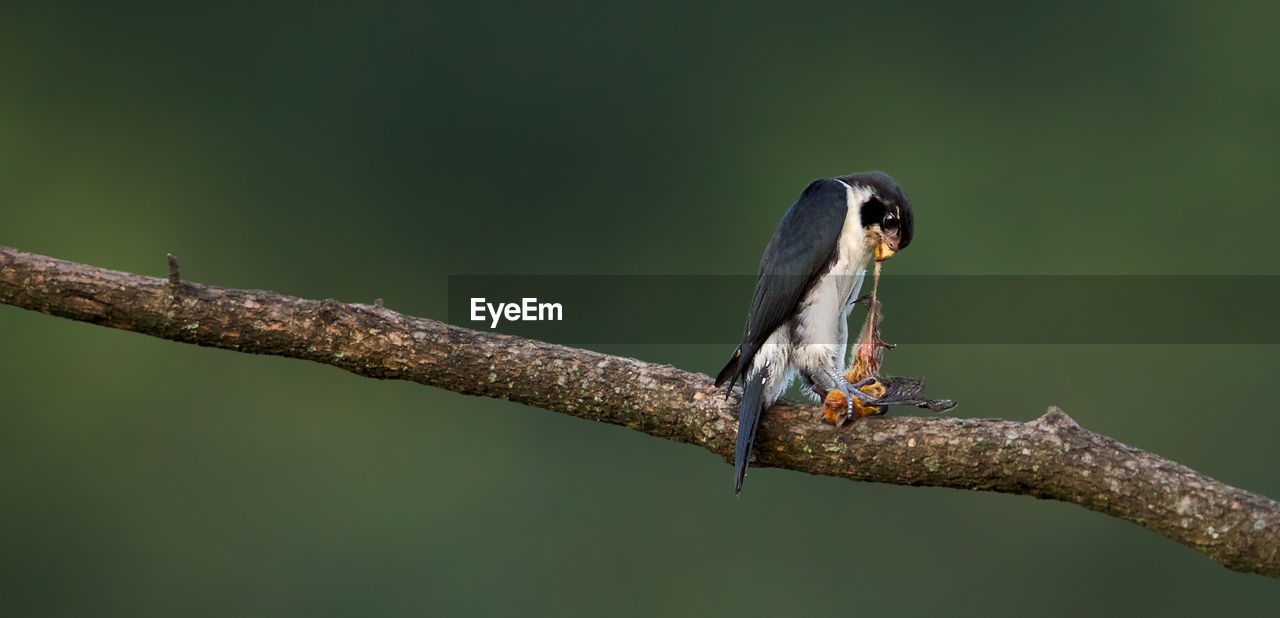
<point x="853" y="401"/>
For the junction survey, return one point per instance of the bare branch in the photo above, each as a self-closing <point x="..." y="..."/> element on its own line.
<point x="1051" y="457"/>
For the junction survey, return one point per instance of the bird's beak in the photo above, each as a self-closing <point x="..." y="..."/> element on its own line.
<point x="886" y="249"/>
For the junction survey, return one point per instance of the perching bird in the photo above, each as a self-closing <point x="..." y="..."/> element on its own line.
<point x="810" y="275"/>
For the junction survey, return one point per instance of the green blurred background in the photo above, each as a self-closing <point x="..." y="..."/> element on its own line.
<point x="364" y="152"/>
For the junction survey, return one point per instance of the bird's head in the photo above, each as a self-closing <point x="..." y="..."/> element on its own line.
<point x="886" y="213"/>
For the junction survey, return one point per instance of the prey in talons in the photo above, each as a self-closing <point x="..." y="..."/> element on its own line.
<point x="874" y="395"/>
<point x="838" y="407"/>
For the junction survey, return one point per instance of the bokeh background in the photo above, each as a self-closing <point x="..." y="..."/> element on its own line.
<point x="357" y="152"/>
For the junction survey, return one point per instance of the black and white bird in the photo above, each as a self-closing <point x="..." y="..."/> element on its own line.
<point x="810" y="277"/>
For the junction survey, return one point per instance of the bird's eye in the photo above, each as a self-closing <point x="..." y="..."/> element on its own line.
<point x="890" y="223"/>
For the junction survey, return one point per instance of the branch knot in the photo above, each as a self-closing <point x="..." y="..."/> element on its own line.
<point x="1055" y="417"/>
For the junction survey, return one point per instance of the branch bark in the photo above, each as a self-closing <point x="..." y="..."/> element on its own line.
<point x="1051" y="457"/>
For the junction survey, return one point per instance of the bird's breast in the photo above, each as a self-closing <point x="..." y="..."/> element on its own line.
<point x="825" y="307"/>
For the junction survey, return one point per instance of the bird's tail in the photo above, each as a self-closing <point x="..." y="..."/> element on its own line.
<point x="731" y="369"/>
<point x="748" y="420"/>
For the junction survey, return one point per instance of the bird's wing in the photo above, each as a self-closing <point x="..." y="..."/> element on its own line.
<point x="800" y="251"/>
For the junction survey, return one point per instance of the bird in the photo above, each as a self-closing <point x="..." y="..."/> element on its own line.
<point x="810" y="275"/>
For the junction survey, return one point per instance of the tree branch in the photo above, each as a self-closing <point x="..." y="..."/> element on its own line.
<point x="1051" y="457"/>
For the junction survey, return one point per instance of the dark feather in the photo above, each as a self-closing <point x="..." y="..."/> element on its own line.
<point x="748" y="421"/>
<point x="799" y="252"/>
<point x="730" y="371"/>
